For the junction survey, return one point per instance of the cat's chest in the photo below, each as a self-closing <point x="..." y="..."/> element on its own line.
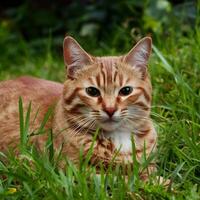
<point x="121" y="138"/>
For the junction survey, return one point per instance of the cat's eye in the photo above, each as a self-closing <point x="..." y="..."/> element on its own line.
<point x="125" y="91"/>
<point x="93" y="92"/>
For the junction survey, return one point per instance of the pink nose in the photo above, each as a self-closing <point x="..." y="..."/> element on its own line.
<point x="110" y="111"/>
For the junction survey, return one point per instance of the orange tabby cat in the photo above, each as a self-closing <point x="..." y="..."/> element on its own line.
<point x="111" y="93"/>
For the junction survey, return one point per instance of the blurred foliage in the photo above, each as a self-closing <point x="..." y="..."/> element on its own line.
<point x="99" y="20"/>
<point x="31" y="36"/>
<point x="32" y="29"/>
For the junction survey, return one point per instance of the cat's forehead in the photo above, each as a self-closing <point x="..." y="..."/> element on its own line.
<point x="108" y="62"/>
<point x="101" y="65"/>
<point x="112" y="66"/>
<point x="107" y="71"/>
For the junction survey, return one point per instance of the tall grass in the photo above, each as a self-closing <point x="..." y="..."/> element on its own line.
<point x="36" y="175"/>
<point x="175" y="72"/>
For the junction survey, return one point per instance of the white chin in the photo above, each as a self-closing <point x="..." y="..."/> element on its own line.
<point x="110" y="126"/>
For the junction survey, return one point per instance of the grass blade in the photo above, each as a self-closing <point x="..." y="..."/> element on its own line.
<point x="21" y="122"/>
<point x="45" y="120"/>
<point x="166" y="65"/>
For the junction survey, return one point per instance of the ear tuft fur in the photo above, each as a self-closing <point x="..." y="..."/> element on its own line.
<point x="139" y="54"/>
<point x="75" y="57"/>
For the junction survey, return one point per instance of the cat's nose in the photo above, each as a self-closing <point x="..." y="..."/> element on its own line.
<point x="110" y="111"/>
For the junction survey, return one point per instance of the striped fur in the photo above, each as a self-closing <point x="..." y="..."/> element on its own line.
<point x="77" y="115"/>
<point x="83" y="114"/>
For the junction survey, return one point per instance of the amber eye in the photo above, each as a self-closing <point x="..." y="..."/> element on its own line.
<point x="93" y="92"/>
<point x="125" y="91"/>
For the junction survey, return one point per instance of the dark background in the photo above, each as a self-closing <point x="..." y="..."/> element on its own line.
<point x="31" y="37"/>
<point x="95" y="21"/>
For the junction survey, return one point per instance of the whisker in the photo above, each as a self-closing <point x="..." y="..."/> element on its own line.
<point x="82" y="126"/>
<point x="135" y="129"/>
<point x="136" y="115"/>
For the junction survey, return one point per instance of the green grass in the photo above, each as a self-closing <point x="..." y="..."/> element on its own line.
<point x="175" y="73"/>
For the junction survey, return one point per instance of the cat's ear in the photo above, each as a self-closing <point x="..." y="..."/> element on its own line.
<point x="75" y="57"/>
<point x="138" y="56"/>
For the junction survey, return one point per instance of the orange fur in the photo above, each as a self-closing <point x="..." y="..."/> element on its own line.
<point x="77" y="115"/>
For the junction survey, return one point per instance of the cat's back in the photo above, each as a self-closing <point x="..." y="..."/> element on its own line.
<point x="24" y="84"/>
<point x="41" y="93"/>
<point x="38" y="91"/>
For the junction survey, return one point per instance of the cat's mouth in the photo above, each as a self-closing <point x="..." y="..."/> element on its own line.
<point x="110" y="120"/>
<point x="109" y="124"/>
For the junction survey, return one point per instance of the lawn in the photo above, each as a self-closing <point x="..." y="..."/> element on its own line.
<point x="175" y="72"/>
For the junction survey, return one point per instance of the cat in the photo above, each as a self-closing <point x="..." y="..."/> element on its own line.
<point x="112" y="94"/>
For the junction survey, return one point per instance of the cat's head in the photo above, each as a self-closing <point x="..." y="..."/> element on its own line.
<point x="107" y="92"/>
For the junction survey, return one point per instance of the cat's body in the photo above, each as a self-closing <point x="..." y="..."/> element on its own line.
<point x="41" y="94"/>
<point x="110" y="93"/>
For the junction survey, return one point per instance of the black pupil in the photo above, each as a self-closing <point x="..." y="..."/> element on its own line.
<point x="125" y="91"/>
<point x="92" y="91"/>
